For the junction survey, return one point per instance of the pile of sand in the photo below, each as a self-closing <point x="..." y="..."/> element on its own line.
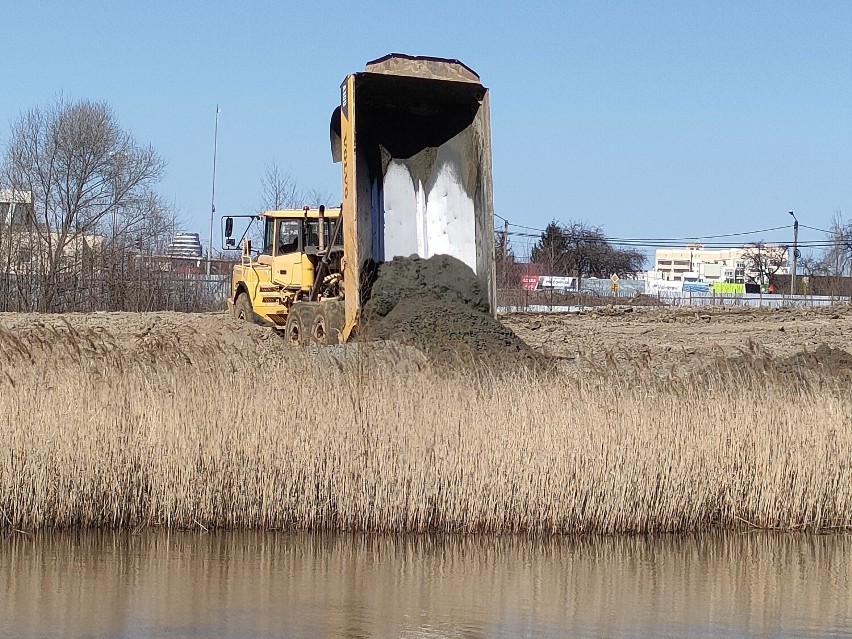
<point x="439" y="306"/>
<point x="825" y="361"/>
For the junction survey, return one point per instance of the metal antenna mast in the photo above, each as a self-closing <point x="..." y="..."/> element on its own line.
<point x="213" y="195"/>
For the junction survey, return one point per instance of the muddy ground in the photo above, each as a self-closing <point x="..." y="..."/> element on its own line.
<point x="681" y="340"/>
<point x="666" y="341"/>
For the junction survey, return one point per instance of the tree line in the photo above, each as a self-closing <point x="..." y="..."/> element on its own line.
<point x="574" y="249"/>
<point x="836" y="257"/>
<point x="83" y="226"/>
<point x="81" y="205"/>
<point x="577" y="249"/>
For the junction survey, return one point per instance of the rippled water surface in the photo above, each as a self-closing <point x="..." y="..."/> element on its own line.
<point x="300" y="585"/>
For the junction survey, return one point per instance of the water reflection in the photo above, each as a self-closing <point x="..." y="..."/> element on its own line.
<point x="301" y="585"/>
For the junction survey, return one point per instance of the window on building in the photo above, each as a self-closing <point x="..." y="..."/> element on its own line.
<point x="22" y="213"/>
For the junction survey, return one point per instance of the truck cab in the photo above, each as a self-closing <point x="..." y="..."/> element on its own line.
<point x="298" y="245"/>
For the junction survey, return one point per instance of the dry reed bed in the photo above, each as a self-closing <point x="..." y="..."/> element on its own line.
<point x="91" y="439"/>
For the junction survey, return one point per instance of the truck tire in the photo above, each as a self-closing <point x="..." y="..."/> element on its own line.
<point x="294" y="330"/>
<point x="319" y="328"/>
<point x="327" y="323"/>
<point x="243" y="309"/>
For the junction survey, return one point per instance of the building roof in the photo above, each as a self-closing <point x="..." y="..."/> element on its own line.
<point x="16" y="196"/>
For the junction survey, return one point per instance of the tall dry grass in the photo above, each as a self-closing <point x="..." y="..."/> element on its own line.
<point x="203" y="440"/>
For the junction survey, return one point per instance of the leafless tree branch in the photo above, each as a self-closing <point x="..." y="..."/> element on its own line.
<point x="89" y="180"/>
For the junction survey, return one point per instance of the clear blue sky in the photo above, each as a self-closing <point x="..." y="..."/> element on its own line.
<point x="651" y="119"/>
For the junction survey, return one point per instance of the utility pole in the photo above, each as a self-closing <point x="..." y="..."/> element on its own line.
<point x="795" y="254"/>
<point x="213" y="195"/>
<point x="505" y="238"/>
<point x="505" y="256"/>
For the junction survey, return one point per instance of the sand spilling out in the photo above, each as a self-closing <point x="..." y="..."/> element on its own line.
<point x="439" y="306"/>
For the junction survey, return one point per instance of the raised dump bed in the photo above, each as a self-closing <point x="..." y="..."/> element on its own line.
<point x="413" y="135"/>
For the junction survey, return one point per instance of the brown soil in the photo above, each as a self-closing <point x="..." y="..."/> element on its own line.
<point x="452" y="333"/>
<point x="668" y="342"/>
<point x="196" y="339"/>
<point x="438" y="306"/>
<point x="442" y="278"/>
<point x="141" y="337"/>
<point x="676" y="342"/>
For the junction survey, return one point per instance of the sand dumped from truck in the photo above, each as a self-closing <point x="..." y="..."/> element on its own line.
<point x="439" y="306"/>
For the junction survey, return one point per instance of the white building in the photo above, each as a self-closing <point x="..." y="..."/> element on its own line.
<point x="694" y="263"/>
<point x="13" y="206"/>
<point x="185" y="245"/>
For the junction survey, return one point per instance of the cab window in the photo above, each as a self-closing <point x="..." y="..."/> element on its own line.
<point x="288" y="236"/>
<point x="312" y="231"/>
<point x="268" y="235"/>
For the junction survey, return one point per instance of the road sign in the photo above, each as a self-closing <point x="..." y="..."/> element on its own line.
<point x="614" y="278"/>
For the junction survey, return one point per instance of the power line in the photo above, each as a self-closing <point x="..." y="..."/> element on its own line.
<point x="521" y="226"/>
<point x="696" y="238"/>
<point x="713" y="237"/>
<point x="813" y="228"/>
<point x="639" y="242"/>
<point x="528" y="240"/>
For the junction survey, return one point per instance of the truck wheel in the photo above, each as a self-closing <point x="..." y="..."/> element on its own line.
<point x="319" y="329"/>
<point x="294" y="330"/>
<point x="327" y="323"/>
<point x="243" y="309"/>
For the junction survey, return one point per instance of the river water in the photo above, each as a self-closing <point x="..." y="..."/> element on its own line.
<point x="158" y="584"/>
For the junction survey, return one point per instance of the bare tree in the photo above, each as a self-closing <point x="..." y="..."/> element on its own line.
<point x="278" y="189"/>
<point x="508" y="270"/>
<point x="157" y="223"/>
<point x="583" y="251"/>
<point x="811" y="265"/>
<point x="764" y="260"/>
<point x="838" y="254"/>
<point x="313" y="197"/>
<point x="88" y="178"/>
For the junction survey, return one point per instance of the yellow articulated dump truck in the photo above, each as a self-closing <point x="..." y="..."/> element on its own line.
<point x="412" y="135"/>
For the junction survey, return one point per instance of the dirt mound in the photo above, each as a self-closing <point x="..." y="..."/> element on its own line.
<point x="439" y="306"/>
<point x="825" y="363"/>
<point x="442" y="278"/>
<point x="825" y="359"/>
<point x="448" y="331"/>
